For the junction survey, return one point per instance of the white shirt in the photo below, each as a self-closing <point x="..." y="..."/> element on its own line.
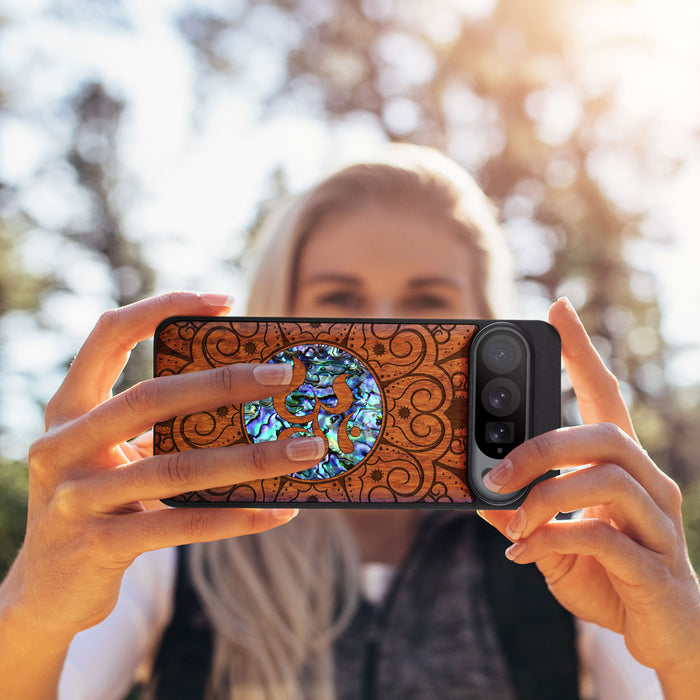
<point x="104" y="661"/>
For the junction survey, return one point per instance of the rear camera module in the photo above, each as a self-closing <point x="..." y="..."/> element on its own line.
<point x="501" y="391"/>
<point x="514" y="388"/>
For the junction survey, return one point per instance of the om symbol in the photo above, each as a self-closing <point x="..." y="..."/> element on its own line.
<point x="333" y="396"/>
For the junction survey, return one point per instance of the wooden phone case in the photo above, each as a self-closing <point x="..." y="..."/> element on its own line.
<point x="390" y="398"/>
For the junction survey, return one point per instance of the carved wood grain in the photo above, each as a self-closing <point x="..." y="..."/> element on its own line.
<point x="420" y="453"/>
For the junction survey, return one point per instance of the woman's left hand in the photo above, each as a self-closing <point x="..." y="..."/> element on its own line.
<point x="623" y="564"/>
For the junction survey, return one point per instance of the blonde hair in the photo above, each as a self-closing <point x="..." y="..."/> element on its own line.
<point x="277" y="600"/>
<point x="404" y="175"/>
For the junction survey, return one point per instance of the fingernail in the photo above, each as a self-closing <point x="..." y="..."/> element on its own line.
<point x="218" y="299"/>
<point x="517" y="525"/>
<point x="273" y="375"/>
<point x="304" y="449"/>
<point x="285" y="514"/>
<point x="515" y="550"/>
<point x="569" y="306"/>
<point x="499" y="476"/>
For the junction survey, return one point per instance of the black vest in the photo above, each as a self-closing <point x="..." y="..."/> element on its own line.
<point x="413" y="647"/>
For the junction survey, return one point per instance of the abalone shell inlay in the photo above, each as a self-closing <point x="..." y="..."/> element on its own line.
<point x="334" y="396"/>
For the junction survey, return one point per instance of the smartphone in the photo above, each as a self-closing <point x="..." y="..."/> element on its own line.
<point x="414" y="412"/>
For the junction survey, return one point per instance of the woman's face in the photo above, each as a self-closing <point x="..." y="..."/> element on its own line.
<point x="385" y="261"/>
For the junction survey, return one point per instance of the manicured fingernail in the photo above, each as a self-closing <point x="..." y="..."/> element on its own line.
<point x="285" y="514"/>
<point x="218" y="299"/>
<point x="306" y="448"/>
<point x="515" y="550"/>
<point x="274" y="375"/>
<point x="499" y="476"/>
<point x="517" y="525"/>
<point x="569" y="306"/>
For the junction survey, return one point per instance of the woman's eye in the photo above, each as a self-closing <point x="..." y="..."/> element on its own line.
<point x="426" y="302"/>
<point x="341" y="299"/>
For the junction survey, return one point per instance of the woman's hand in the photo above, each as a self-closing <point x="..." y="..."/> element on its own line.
<point x="89" y="515"/>
<point x="623" y="564"/>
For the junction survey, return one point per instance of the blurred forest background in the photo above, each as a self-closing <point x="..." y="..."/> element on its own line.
<point x="580" y="119"/>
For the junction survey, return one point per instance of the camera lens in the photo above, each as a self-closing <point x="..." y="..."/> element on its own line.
<point x="502" y="353"/>
<point x="499" y="432"/>
<point x="500" y="396"/>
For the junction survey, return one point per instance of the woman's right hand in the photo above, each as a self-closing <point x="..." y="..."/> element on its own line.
<point x="88" y="513"/>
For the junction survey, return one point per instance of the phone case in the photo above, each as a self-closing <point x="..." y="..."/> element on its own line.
<point x="390" y="398"/>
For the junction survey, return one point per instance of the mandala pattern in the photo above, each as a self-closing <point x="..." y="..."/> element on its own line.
<point x="395" y="422"/>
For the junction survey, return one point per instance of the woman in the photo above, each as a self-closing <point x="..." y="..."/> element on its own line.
<point x="409" y="236"/>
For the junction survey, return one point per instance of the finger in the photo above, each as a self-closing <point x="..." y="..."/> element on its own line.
<point x="606" y="486"/>
<point x="614" y="550"/>
<point x="169" y="475"/>
<point x="131" y="452"/>
<point x="140" y="407"/>
<point x="143" y="444"/>
<point x="497" y="518"/>
<point x="156" y="529"/>
<point x="102" y="357"/>
<point x="579" y="445"/>
<point x="596" y="388"/>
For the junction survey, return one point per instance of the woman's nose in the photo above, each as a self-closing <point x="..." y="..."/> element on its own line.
<point x="383" y="308"/>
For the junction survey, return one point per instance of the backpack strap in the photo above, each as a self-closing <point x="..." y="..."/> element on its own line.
<point x="529" y="620"/>
<point x="183" y="664"/>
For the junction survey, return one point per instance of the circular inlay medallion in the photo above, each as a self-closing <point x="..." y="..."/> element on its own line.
<point x="334" y="396"/>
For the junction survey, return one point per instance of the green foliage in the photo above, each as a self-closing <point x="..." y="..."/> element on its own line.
<point x="14" y="483"/>
<point x="18" y="289"/>
<point x="691" y="521"/>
